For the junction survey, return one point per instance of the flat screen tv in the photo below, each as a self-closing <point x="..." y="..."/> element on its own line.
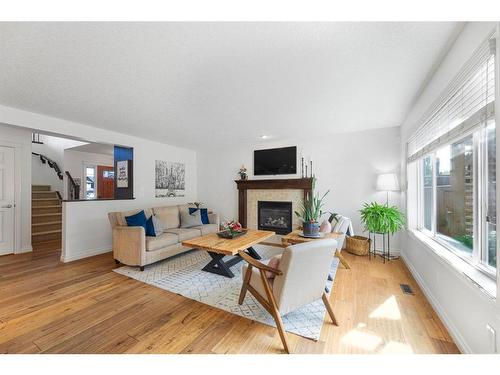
<point x="275" y="161"/>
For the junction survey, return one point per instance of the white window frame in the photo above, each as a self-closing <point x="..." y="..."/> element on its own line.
<point x="479" y="211"/>
<point x="84" y="179"/>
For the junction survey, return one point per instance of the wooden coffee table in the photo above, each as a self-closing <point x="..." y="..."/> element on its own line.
<point x="218" y="248"/>
<point x="293" y="238"/>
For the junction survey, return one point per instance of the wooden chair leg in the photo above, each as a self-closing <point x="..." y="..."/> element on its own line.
<point x="329" y="308"/>
<point x="244" y="287"/>
<point x="275" y="312"/>
<point x="339" y="255"/>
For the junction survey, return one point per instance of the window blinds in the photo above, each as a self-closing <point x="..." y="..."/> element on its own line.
<point x="466" y="103"/>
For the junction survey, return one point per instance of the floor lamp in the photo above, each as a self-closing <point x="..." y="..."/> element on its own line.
<point x="387" y="182"/>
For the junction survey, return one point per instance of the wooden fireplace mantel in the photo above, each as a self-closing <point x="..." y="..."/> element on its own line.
<point x="305" y="184"/>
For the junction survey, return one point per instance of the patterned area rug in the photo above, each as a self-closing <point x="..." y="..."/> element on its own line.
<point x="182" y="274"/>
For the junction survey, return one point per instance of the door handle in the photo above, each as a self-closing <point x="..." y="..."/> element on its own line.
<point x="7" y="206"/>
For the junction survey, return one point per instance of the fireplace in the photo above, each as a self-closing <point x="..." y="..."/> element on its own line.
<point x="275" y="216"/>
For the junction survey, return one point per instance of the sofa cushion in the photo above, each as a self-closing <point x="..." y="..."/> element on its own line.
<point x="163" y="240"/>
<point x="168" y="215"/>
<point x="185" y="233"/>
<point x="207" y="228"/>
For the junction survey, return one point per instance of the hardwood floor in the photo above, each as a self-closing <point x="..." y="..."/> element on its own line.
<point x="83" y="307"/>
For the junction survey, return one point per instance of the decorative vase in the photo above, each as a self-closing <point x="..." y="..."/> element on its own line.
<point x="243" y="176"/>
<point x="326" y="227"/>
<point x="311" y="228"/>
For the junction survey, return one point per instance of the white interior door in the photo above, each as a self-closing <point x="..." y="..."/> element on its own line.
<point x="6" y="200"/>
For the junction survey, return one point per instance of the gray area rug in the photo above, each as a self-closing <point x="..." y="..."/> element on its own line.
<point x="182" y="275"/>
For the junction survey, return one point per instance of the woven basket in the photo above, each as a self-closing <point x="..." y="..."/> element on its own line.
<point x="358" y="245"/>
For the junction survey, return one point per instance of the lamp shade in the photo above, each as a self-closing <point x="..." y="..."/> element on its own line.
<point x="387" y="182"/>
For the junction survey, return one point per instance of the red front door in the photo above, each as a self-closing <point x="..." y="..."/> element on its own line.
<point x="105" y="182"/>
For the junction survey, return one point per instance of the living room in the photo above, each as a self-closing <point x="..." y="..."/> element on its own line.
<point x="249" y="188"/>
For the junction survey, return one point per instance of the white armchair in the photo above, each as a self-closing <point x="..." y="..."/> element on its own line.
<point x="344" y="226"/>
<point x="299" y="280"/>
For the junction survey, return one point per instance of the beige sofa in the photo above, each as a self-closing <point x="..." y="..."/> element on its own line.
<point x="133" y="248"/>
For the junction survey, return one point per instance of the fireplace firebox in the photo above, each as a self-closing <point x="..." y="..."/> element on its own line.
<point x="275" y="216"/>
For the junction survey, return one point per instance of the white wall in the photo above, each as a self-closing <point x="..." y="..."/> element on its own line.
<point x="53" y="148"/>
<point x="461" y="305"/>
<point x="86" y="230"/>
<point x="346" y="164"/>
<point x="20" y="139"/>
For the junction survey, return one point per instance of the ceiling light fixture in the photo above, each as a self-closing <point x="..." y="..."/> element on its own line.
<point x="263" y="136"/>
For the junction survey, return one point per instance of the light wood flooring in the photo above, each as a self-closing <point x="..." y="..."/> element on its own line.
<point x="83" y="307"/>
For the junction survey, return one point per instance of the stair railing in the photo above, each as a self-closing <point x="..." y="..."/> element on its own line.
<point x="51" y="163"/>
<point x="73" y="188"/>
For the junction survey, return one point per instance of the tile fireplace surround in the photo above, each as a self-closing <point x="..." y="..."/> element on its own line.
<point x="282" y="190"/>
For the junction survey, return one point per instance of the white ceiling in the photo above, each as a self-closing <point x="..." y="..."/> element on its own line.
<point x="212" y="84"/>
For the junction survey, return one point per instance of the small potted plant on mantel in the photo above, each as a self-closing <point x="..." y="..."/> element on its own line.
<point x="310" y="212"/>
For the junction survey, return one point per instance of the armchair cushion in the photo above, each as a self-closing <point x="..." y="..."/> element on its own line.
<point x="305" y="269"/>
<point x="256" y="280"/>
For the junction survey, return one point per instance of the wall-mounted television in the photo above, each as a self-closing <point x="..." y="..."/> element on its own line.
<point x="275" y="161"/>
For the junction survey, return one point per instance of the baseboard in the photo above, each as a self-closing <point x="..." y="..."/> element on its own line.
<point x="84" y="254"/>
<point x="395" y="252"/>
<point x="452" y="329"/>
<point x="27" y="249"/>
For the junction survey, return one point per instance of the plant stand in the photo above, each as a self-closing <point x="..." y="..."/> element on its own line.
<point x="386" y="250"/>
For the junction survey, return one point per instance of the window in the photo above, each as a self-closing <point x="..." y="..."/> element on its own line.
<point x="491" y="210"/>
<point x="428" y="192"/>
<point x="454" y="153"/>
<point x="455" y="194"/>
<point x="90" y="182"/>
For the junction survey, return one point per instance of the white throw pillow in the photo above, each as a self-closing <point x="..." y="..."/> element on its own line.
<point x="190" y="220"/>
<point x="158" y="225"/>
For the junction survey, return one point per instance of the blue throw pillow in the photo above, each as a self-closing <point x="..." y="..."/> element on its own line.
<point x="150" y="228"/>
<point x="203" y="212"/>
<point x="139" y="220"/>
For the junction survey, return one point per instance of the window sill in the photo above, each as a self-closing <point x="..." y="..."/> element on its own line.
<point x="484" y="283"/>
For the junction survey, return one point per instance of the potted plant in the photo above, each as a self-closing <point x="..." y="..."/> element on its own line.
<point x="310" y="212"/>
<point x="382" y="218"/>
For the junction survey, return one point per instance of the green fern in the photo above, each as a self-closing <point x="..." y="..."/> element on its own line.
<point x="382" y="218"/>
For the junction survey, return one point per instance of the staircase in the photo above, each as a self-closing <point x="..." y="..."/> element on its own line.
<point x="46" y="214"/>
